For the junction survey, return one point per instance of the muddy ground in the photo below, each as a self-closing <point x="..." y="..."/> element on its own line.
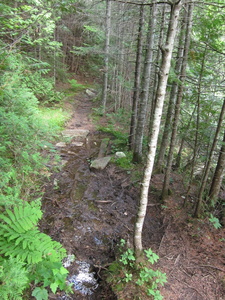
<point x="89" y="211"/>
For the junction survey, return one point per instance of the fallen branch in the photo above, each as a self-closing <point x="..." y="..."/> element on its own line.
<point x="104" y="201"/>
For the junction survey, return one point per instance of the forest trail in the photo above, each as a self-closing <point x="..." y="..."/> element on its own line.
<point x="90" y="211"/>
<point x="87" y="211"/>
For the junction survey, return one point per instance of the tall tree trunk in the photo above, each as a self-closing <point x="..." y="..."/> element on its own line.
<point x="173" y="94"/>
<point x="106" y="59"/>
<point x="196" y="147"/>
<point x="160" y="97"/>
<point x="208" y="163"/>
<point x="137" y="79"/>
<point x="218" y="175"/>
<point x="157" y="62"/>
<point x="137" y="154"/>
<point x="178" y="103"/>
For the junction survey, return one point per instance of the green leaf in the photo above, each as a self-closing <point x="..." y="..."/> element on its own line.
<point x="53" y="287"/>
<point x="40" y="293"/>
<point x="63" y="271"/>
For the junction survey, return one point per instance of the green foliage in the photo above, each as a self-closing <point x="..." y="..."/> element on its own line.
<point x="125" y="162"/>
<point x="121" y="116"/>
<point x="42" y="87"/>
<point x="54" y="118"/>
<point x="20" y="238"/>
<point x="151" y="256"/>
<point x="75" y="86"/>
<point x="40" y="293"/>
<point x="24" y="128"/>
<point x="127" y="258"/>
<point x="215" y="221"/>
<point x="13" y="279"/>
<point x="34" y="252"/>
<point x="52" y="274"/>
<point x="120" y="138"/>
<point x="128" y="274"/>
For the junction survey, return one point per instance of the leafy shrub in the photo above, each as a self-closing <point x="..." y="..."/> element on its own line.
<point x="26" y="254"/>
<point x="75" y="86"/>
<point x="24" y="128"/>
<point x="215" y="221"/>
<point x="119" y="143"/>
<point x="130" y="278"/>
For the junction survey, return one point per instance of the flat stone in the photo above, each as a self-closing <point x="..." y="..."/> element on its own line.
<point x="77" y="144"/>
<point x="100" y="163"/>
<point x="81" y="133"/>
<point x="61" y="144"/>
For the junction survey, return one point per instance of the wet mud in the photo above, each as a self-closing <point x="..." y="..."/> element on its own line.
<point x="89" y="212"/>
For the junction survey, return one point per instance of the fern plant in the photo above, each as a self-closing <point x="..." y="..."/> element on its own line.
<point x="20" y="238"/>
<point x="13" y="279"/>
<point x="32" y="251"/>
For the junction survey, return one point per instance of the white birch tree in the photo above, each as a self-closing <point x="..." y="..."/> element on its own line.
<point x="160" y="97"/>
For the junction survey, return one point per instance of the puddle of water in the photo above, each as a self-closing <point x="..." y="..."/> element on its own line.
<point x="84" y="281"/>
<point x="68" y="260"/>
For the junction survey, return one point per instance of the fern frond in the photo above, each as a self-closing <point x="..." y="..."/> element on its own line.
<point x="20" y="237"/>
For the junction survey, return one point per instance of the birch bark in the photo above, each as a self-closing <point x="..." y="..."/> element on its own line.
<point x="160" y="96"/>
<point x="178" y="103"/>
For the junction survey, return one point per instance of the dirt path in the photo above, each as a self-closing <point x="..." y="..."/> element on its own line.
<point x="90" y="211"/>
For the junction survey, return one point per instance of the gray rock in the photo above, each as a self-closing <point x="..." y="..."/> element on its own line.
<point x="91" y="93"/>
<point x="120" y="154"/>
<point x="100" y="163"/>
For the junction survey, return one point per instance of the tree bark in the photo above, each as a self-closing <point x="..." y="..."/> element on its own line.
<point x="218" y="175"/>
<point x="161" y="91"/>
<point x="178" y="104"/>
<point x="137" y="154"/>
<point x="173" y="94"/>
<point x="208" y="163"/>
<point x="196" y="146"/>
<point x="137" y="79"/>
<point x="106" y="59"/>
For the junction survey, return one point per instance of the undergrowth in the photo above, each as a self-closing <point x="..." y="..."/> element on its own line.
<point x="135" y="280"/>
<point x="29" y="259"/>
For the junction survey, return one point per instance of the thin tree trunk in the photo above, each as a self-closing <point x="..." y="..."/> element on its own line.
<point x="178" y="159"/>
<point x="178" y="104"/>
<point x="199" y="89"/>
<point x="208" y="164"/>
<point x="137" y="154"/>
<point x="137" y="79"/>
<point x="106" y="59"/>
<point x="161" y="91"/>
<point x="218" y="175"/>
<point x="173" y="94"/>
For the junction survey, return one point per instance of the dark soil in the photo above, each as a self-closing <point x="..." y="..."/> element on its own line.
<point x="90" y="211"/>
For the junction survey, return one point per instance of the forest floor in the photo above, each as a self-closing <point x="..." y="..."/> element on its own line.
<point x="90" y="211"/>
